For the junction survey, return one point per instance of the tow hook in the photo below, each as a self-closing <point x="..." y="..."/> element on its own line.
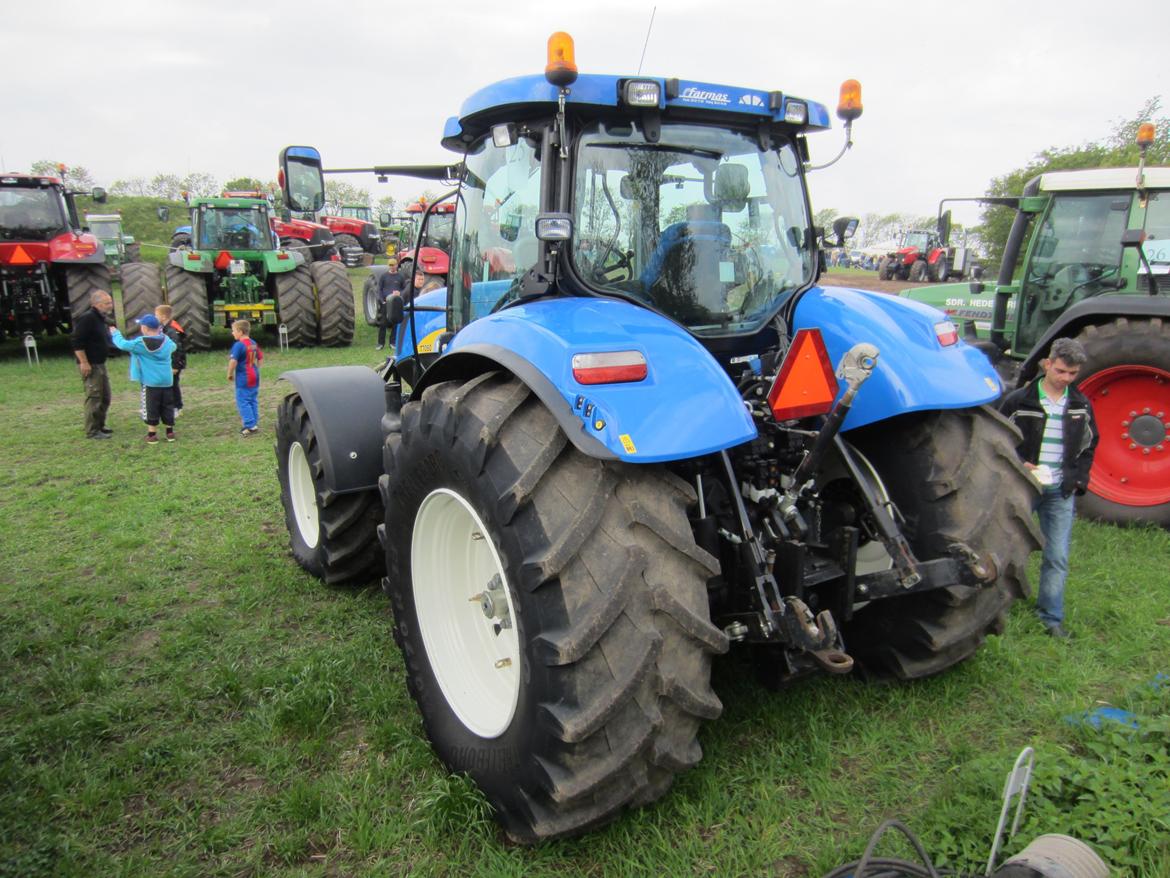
<point x="816" y="635"/>
<point x="982" y="567"/>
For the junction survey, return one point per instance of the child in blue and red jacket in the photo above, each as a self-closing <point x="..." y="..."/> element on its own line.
<point x="244" y="369"/>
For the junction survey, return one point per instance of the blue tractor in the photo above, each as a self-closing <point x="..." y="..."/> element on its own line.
<point x="633" y="432"/>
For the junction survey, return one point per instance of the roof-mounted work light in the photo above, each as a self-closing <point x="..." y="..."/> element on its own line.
<point x="641" y="93"/>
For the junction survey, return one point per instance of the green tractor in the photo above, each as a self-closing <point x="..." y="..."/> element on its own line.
<point x="120" y="248"/>
<point x="1088" y="257"/>
<point x="235" y="270"/>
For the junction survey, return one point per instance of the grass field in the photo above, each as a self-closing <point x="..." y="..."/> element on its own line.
<point x="178" y="698"/>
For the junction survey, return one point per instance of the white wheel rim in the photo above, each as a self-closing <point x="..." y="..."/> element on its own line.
<point x="465" y="613"/>
<point x="303" y="493"/>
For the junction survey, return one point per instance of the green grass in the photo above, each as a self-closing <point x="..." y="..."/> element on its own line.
<point x="178" y="698"/>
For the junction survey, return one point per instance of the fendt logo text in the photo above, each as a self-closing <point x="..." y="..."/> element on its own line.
<point x="710" y="97"/>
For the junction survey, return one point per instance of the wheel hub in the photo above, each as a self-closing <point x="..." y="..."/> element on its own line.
<point x="1147" y="430"/>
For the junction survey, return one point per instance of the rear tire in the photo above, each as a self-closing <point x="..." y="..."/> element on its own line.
<point x="187" y="295"/>
<point x="333" y="536"/>
<point x="954" y="475"/>
<point x="181" y="241"/>
<point x="610" y="653"/>
<point x="81" y="282"/>
<point x="941" y="270"/>
<point x="296" y="245"/>
<point x="335" y="296"/>
<point x="1127" y="381"/>
<point x="296" y="306"/>
<point x="142" y="291"/>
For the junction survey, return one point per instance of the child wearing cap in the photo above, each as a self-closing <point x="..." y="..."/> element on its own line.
<point x="150" y="363"/>
<point x="244" y="369"/>
<point x="172" y="330"/>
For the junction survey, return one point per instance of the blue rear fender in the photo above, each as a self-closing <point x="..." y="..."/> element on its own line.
<point x="686" y="406"/>
<point x="915" y="372"/>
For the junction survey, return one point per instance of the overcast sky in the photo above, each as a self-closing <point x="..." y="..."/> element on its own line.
<point x="954" y="93"/>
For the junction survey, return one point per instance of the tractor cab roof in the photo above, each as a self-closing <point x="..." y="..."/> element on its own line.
<point x="28" y="180"/>
<point x="230" y="202"/>
<point x="103" y="217"/>
<point x="529" y="96"/>
<point x="1103" y="178"/>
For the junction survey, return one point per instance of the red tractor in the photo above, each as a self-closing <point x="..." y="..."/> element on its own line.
<point x="440" y="228"/>
<point x="355" y="233"/>
<point x="49" y="265"/>
<point x="916" y="259"/>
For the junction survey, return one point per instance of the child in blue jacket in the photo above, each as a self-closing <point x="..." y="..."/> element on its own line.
<point x="150" y="363"/>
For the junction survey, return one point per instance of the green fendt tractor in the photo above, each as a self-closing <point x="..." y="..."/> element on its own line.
<point x="120" y="248"/>
<point x="235" y="270"/>
<point x="1088" y="257"/>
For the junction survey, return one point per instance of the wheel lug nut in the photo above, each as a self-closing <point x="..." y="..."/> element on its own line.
<point x="1125" y="480"/>
<point x="1145" y="411"/>
<point x="504" y="663"/>
<point x="1133" y="414"/>
<point x="1133" y="445"/>
<point x="1124" y="435"/>
<point x="1125" y="423"/>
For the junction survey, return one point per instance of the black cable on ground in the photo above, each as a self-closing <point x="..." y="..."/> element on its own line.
<point x="869" y="867"/>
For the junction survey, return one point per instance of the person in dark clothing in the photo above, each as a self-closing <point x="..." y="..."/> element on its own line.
<point x="172" y="330"/>
<point x="91" y="345"/>
<point x="388" y="284"/>
<point x="1059" y="440"/>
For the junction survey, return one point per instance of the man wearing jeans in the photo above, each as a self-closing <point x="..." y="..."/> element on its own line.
<point x="1059" y="438"/>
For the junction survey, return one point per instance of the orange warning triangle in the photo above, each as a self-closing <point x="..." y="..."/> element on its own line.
<point x="806" y="384"/>
<point x="20" y="257"/>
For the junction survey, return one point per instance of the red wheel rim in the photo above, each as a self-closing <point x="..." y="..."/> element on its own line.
<point x="1131" y="405"/>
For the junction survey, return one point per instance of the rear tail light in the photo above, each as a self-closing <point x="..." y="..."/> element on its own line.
<point x="947" y="333"/>
<point x="612" y="367"/>
<point x="193" y="257"/>
<point x="806" y="385"/>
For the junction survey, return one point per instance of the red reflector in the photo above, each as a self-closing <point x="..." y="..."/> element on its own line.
<point x="193" y="257"/>
<point x="613" y="367"/>
<point x="223" y="260"/>
<point x="806" y="384"/>
<point x="947" y="333"/>
<point x="20" y="257"/>
<point x="282" y="255"/>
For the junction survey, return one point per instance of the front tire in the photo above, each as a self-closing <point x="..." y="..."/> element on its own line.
<point x="370" y="300"/>
<point x="81" y="282"/>
<point x="918" y="272"/>
<point x="335" y="297"/>
<point x="333" y="536"/>
<point x="955" y="477"/>
<point x="597" y="701"/>
<point x="1127" y="381"/>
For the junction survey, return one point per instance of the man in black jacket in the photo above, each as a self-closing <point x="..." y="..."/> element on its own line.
<point x="91" y="344"/>
<point x="1059" y="438"/>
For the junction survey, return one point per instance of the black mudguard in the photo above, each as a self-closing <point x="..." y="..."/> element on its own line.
<point x="345" y="405"/>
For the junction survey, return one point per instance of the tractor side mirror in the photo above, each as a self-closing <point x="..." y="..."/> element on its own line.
<point x="98" y="194"/>
<point x="384" y="219"/>
<point x="163" y="213"/>
<point x="944" y="228"/>
<point x="1133" y="238"/>
<point x="301" y="179"/>
<point x="844" y="228"/>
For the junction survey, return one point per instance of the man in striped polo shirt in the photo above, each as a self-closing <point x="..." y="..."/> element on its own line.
<point x="1059" y="438"/>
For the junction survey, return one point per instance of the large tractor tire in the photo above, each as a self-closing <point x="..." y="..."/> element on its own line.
<point x="187" y="295"/>
<point x="142" y="292"/>
<point x="955" y="477"/>
<point x="335" y="297"/>
<point x="551" y="608"/>
<point x="296" y="306"/>
<point x="918" y="271"/>
<point x="370" y="299"/>
<point x="942" y="270"/>
<point x="1127" y="380"/>
<point x="349" y="247"/>
<point x="81" y="282"/>
<point x="134" y="252"/>
<point x="333" y="536"/>
<point x="181" y="241"/>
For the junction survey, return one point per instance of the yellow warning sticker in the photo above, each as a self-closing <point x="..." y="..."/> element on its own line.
<point x="628" y="443"/>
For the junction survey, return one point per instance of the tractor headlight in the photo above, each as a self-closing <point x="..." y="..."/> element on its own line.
<point x="641" y="92"/>
<point x="796" y="112"/>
